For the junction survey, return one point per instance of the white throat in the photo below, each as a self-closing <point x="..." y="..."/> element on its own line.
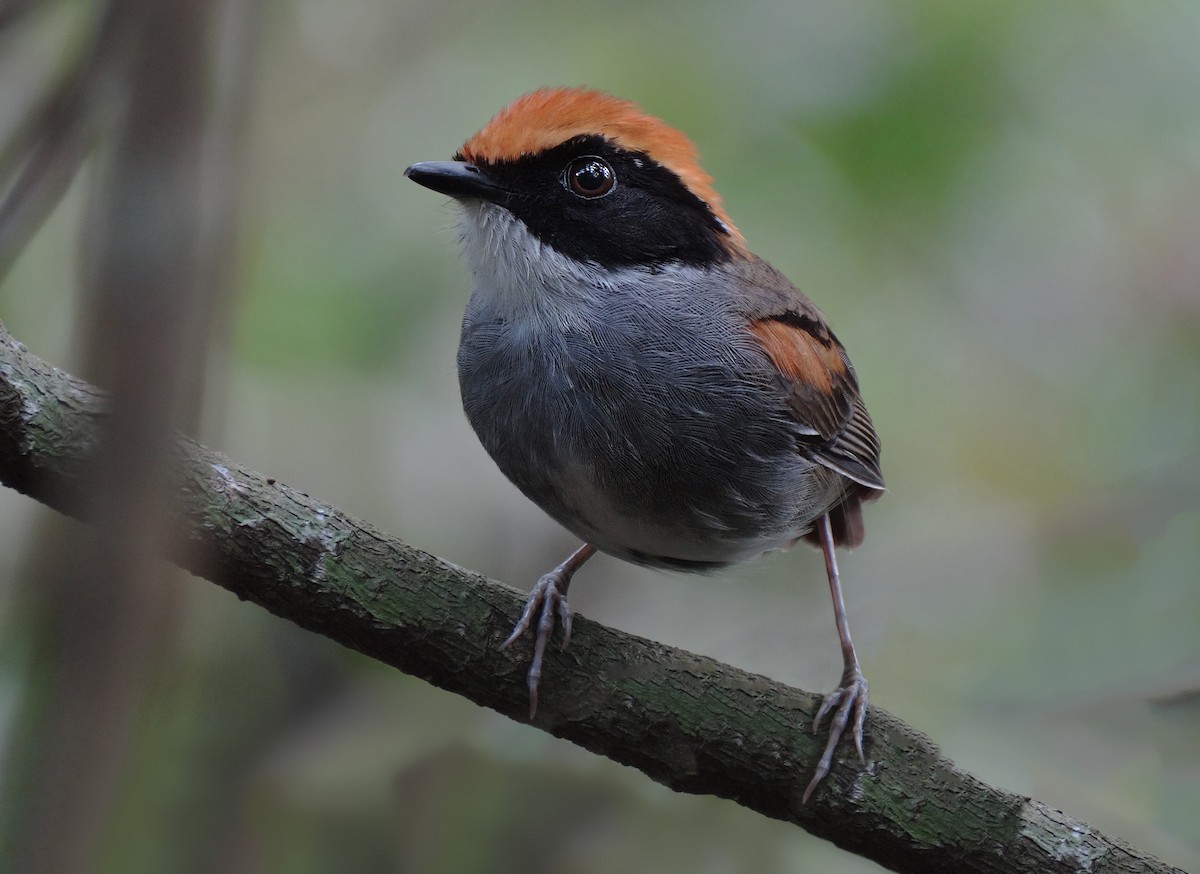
<point x="516" y="273"/>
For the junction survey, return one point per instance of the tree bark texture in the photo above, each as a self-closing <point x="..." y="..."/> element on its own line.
<point x="687" y="721"/>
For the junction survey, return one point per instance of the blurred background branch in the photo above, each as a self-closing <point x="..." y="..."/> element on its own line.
<point x="689" y="722"/>
<point x="138" y="100"/>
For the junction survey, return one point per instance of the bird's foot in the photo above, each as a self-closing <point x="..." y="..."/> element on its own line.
<point x="547" y="600"/>
<point x="848" y="706"/>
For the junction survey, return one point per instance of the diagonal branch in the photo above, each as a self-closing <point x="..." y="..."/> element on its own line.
<point x="687" y="721"/>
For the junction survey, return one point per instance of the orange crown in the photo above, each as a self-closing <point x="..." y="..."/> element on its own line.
<point x="549" y="117"/>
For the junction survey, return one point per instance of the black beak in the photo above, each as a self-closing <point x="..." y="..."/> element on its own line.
<point x="457" y="179"/>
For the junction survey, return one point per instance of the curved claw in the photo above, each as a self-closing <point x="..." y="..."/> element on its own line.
<point x="531" y="605"/>
<point x="547" y="601"/>
<point x="848" y="704"/>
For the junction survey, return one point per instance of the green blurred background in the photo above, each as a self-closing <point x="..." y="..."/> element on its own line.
<point x="997" y="204"/>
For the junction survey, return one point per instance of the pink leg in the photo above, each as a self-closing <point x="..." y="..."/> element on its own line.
<point x="847" y="703"/>
<point x="547" y="600"/>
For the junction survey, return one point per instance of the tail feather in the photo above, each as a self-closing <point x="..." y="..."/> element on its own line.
<point x="846" y="519"/>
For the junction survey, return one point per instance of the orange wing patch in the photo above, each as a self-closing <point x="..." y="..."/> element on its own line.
<point x="823" y="397"/>
<point x="800" y="355"/>
<point x="549" y="117"/>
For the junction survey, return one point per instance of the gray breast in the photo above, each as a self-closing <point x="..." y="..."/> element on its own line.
<point x="641" y="426"/>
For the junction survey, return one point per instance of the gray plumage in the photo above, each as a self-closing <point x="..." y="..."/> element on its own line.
<point x="646" y="420"/>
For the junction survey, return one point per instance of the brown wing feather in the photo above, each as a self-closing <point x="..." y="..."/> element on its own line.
<point x="823" y="395"/>
<point x="813" y="367"/>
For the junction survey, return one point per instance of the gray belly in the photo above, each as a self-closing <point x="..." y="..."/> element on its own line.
<point x="652" y="455"/>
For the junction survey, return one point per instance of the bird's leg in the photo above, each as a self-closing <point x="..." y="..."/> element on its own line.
<point x="547" y="600"/>
<point x="848" y="702"/>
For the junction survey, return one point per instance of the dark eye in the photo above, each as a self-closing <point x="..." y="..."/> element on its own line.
<point x="590" y="177"/>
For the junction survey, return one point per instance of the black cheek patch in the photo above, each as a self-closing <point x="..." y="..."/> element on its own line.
<point x="636" y="228"/>
<point x="650" y="218"/>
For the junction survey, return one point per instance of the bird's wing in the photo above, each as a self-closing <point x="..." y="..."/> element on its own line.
<point x="819" y="381"/>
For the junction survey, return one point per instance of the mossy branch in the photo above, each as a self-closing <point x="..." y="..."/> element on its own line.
<point x="687" y="721"/>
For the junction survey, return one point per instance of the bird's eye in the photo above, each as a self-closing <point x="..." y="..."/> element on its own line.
<point x="589" y="177"/>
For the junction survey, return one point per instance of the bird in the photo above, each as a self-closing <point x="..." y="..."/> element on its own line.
<point x="661" y="392"/>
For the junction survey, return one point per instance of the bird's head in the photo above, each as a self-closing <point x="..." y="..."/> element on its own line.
<point x="592" y="177"/>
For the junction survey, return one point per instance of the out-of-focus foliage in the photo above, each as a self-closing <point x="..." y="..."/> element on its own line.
<point x="998" y="205"/>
